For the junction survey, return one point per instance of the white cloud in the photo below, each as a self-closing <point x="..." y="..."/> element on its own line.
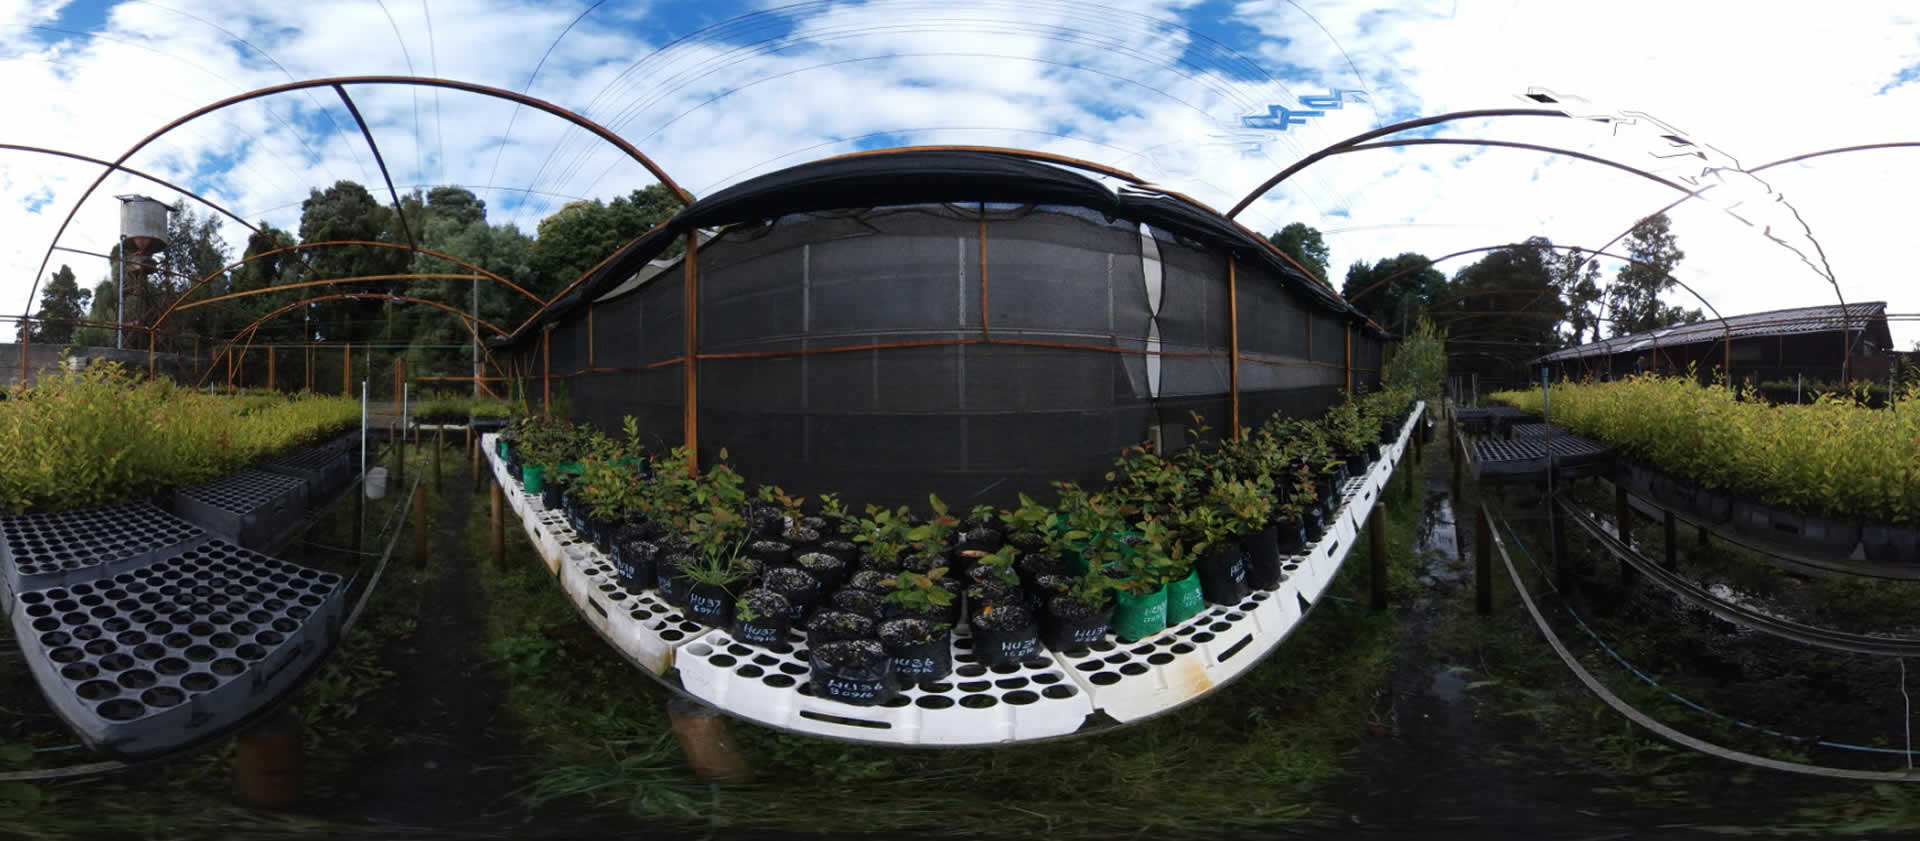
<point x="1126" y="86"/>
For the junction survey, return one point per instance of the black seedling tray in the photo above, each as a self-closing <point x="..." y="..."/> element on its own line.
<point x="163" y="656"/>
<point x="324" y="469"/>
<point x="253" y="507"/>
<point x="69" y="547"/>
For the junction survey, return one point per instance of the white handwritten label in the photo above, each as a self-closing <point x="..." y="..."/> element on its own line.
<point x="1092" y="633"/>
<point x="1023" y="647"/>
<point x="858" y="690"/>
<point x="914" y="665"/>
<point x="705" y="605"/>
<point x="1238" y="571"/>
<point x="758" y="633"/>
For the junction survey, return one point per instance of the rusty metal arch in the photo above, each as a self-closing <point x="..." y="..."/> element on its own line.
<point x="337" y="280"/>
<point x="1396" y="128"/>
<point x="112" y="167"/>
<point x="471" y="322"/>
<point x="467" y="87"/>
<point x="305" y="245"/>
<point x="1025" y="154"/>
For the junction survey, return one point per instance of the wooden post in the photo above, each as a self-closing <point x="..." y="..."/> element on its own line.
<point x="707" y="742"/>
<point x="399" y="438"/>
<point x="1349" y="358"/>
<point x="346" y="369"/>
<point x="690" y="352"/>
<point x="546" y="371"/>
<point x="1377" y="555"/>
<point x="498" y="543"/>
<point x="437" y="442"/>
<point x="266" y="763"/>
<point x="272" y="381"/>
<point x="1233" y="351"/>
<point x="1483" y="564"/>
<point x="420" y="525"/>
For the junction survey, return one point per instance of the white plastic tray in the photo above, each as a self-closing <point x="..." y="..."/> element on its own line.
<point x="1050" y="695"/>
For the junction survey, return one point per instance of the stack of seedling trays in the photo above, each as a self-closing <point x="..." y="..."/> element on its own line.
<point x="325" y="469"/>
<point x="1050" y="693"/>
<point x="255" y="508"/>
<point x="51" y="550"/>
<point x="1525" y="459"/>
<point x="156" y="657"/>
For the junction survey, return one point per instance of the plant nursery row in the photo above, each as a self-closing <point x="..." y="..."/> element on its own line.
<point x="877" y="593"/>
<point x="1830" y="473"/>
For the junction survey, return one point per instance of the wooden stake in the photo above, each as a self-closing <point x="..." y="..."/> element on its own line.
<point x="707" y="742"/>
<point x="1377" y="555"/>
<point x="266" y="763"/>
<point x="1483" y="564"/>
<point x="419" y="525"/>
<point x="496" y="501"/>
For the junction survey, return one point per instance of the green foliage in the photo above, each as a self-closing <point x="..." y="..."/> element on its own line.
<point x="1829" y="457"/>
<point x="1634" y="301"/>
<point x="1419" y="362"/>
<point x="61" y="299"/>
<point x="1392" y="290"/>
<point x="102" y="435"/>
<point x="1303" y="243"/>
<point x="919" y="592"/>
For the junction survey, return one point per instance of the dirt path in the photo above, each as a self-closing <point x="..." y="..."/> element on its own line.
<point x="448" y="768"/>
<point x="1430" y="763"/>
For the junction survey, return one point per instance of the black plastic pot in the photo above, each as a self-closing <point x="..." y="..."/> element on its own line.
<point x="1073" y="632"/>
<point x="924" y="659"/>
<point x="1891" y="544"/>
<point x="1223" y="574"/>
<point x="634" y="560"/>
<point x="857" y="672"/>
<point x="550" y="495"/>
<point x="1290" y="536"/>
<point x="1821" y="534"/>
<point x="828" y="569"/>
<point x="769" y="627"/>
<point x="1374" y="451"/>
<point x="991" y="648"/>
<point x="674" y="587"/>
<point x="710" y="605"/>
<point x="864" y="602"/>
<point x="1356" y="464"/>
<point x="847" y="551"/>
<point x="1263" y="559"/>
<point x="799" y="588"/>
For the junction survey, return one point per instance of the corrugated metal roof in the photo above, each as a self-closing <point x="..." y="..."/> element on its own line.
<point x="1787" y="322"/>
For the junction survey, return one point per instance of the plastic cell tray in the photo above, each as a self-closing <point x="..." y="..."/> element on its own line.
<point x="324" y="469"/>
<point x="253" y="507"/>
<point x="1049" y="695"/>
<point x="975" y="705"/>
<point x="1537" y="430"/>
<point x="160" y="657"/>
<point x="51" y="550"/>
<point x="1525" y="459"/>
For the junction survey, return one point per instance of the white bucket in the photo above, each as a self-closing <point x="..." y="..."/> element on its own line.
<point x="377" y="483"/>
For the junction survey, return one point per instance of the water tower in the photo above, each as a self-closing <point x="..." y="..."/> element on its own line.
<point x="143" y="234"/>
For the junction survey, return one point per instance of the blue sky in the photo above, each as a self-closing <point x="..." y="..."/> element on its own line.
<point x="1161" y="87"/>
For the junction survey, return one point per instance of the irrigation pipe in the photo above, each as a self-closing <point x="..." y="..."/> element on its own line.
<point x="1782" y="628"/>
<point x="1626" y="710"/>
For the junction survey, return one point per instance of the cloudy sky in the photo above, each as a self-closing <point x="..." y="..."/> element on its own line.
<point x="1186" y="94"/>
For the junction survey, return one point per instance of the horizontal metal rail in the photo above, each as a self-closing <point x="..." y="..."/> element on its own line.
<point x="1607" y="697"/>
<point x="1783" y="628"/>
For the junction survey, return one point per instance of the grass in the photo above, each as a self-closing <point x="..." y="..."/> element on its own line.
<point x="1260" y="751"/>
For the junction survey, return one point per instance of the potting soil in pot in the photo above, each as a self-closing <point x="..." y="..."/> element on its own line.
<point x="836" y="625"/>
<point x="796" y="585"/>
<point x="1004" y="635"/>
<point x="768" y="627"/>
<point x="922" y="651"/>
<point x="1071" y="624"/>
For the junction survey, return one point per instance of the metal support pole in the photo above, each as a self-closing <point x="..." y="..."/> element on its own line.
<point x="1668" y="526"/>
<point x="1623" y="528"/>
<point x="1233" y="353"/>
<point x="419" y="525"/>
<point x="1377" y="555"/>
<point x="498" y="543"/>
<point x="1483" y="564"/>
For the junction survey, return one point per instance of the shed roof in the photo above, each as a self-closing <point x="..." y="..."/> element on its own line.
<point x="1869" y="315"/>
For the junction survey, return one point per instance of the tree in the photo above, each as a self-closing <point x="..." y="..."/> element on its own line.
<point x="104" y="310"/>
<point x="1578" y="277"/>
<point x="1634" y="304"/>
<point x="1303" y="244"/>
<point x="582" y="233"/>
<point x="346" y="211"/>
<point x="1506" y="306"/>
<point x="61" y="300"/>
<point x="1414" y="286"/>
